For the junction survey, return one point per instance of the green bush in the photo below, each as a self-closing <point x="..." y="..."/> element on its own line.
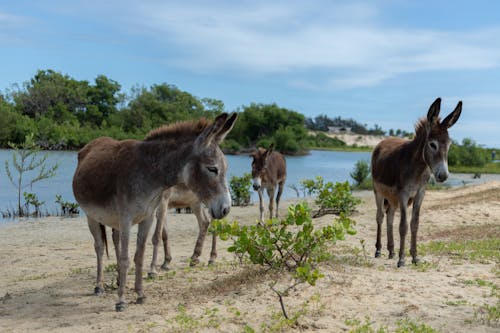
<point x="360" y="172"/>
<point x="468" y="154"/>
<point x="336" y="199"/>
<point x="310" y="186"/>
<point x="292" y="244"/>
<point x="240" y="189"/>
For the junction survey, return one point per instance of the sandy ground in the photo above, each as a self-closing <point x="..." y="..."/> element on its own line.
<point x="48" y="273"/>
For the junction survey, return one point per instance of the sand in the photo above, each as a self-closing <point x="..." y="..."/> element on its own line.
<point x="48" y="274"/>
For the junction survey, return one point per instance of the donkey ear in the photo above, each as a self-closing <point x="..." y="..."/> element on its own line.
<point x="205" y="138"/>
<point x="452" y="118"/>
<point x="434" y="109"/>
<point x="270" y="149"/>
<point x="228" y="126"/>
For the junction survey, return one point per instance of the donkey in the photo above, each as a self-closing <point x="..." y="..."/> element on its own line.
<point x="269" y="172"/>
<point x="180" y="197"/>
<point x="400" y="170"/>
<point x="120" y="183"/>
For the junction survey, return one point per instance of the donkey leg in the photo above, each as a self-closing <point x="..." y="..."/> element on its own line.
<point x="403" y="228"/>
<point x="213" y="252"/>
<point x="116" y="243"/>
<point x="202" y="232"/>
<point x="142" y="236"/>
<point x="414" y="224"/>
<point x="390" y="233"/>
<point x="261" y="205"/>
<point x="166" y="249"/>
<point x="160" y="215"/>
<point x="95" y="229"/>
<point x="270" y="193"/>
<point x="379" y="200"/>
<point x="123" y="263"/>
<point x="278" y="197"/>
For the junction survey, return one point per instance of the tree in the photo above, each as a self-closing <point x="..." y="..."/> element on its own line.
<point x="360" y="172"/>
<point x="25" y="158"/>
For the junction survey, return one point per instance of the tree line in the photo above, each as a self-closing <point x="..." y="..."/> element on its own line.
<point x="65" y="113"/>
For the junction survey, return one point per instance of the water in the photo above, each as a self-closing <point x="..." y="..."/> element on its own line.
<point x="331" y="165"/>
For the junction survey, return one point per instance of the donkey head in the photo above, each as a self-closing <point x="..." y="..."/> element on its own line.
<point x="437" y="142"/>
<point x="259" y="165"/>
<point x="205" y="172"/>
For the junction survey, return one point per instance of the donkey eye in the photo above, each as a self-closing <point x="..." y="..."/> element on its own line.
<point x="213" y="169"/>
<point x="433" y="145"/>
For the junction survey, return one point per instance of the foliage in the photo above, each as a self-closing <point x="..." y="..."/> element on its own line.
<point x="68" y="208"/>
<point x="292" y="244"/>
<point x="321" y="140"/>
<point x="240" y="189"/>
<point x="31" y="199"/>
<point x="322" y="122"/>
<point x="336" y="199"/>
<point x="310" y="186"/>
<point x="360" y="172"/>
<point x="468" y="154"/>
<point x="261" y="124"/>
<point x="25" y="158"/>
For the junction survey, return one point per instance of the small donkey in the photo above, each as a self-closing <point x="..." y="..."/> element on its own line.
<point x="269" y="172"/>
<point x="401" y="169"/>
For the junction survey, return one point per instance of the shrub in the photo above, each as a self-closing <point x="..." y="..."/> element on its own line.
<point x="67" y="208"/>
<point x="240" y="189"/>
<point x="360" y="172"/>
<point x="292" y="244"/>
<point x="336" y="199"/>
<point x="310" y="186"/>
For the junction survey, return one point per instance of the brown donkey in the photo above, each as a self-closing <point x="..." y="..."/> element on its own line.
<point x="401" y="169"/>
<point x="268" y="172"/>
<point x="180" y="197"/>
<point x="120" y="183"/>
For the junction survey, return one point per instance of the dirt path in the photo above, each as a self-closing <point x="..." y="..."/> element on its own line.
<point x="48" y="272"/>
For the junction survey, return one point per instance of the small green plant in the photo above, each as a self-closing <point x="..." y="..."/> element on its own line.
<point x="25" y="158"/>
<point x="240" y="189"/>
<point x="336" y="199"/>
<point x="67" y="208"/>
<point x="291" y="244"/>
<point x="31" y="199"/>
<point x="360" y="172"/>
<point x="311" y="186"/>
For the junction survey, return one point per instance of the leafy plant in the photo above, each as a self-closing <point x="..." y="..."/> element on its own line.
<point x="360" y="172"/>
<point x="25" y="158"/>
<point x="240" y="189"/>
<point x="67" y="208"/>
<point x="291" y="244"/>
<point x="336" y="199"/>
<point x="31" y="199"/>
<point x="311" y="186"/>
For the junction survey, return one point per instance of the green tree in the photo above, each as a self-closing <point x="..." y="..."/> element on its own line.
<point x="26" y="158"/>
<point x="360" y="172"/>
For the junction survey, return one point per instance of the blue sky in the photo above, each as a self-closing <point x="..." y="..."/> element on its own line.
<point x="379" y="62"/>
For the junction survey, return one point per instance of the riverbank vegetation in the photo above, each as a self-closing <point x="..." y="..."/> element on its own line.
<point x="62" y="112"/>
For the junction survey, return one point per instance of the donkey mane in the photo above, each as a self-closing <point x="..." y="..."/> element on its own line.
<point x="190" y="127"/>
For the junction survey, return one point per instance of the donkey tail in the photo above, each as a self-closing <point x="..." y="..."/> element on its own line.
<point x="104" y="238"/>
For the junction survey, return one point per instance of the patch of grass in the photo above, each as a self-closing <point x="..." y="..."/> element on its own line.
<point x="487" y="168"/>
<point x="111" y="268"/>
<point x="402" y="326"/>
<point x="457" y="302"/>
<point x="80" y="270"/>
<point x="425" y="266"/>
<point x="475" y="250"/>
<point x="185" y="322"/>
<point x="488" y="314"/>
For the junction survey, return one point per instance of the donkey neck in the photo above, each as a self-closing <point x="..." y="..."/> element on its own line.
<point x="418" y="166"/>
<point x="167" y="160"/>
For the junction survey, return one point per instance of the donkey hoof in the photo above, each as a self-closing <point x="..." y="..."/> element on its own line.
<point x="98" y="291"/>
<point x="415" y="260"/>
<point x="152" y="275"/>
<point x="401" y="263"/>
<point x="391" y="255"/>
<point x="141" y="300"/>
<point x="120" y="306"/>
<point x="211" y="262"/>
<point x="194" y="262"/>
<point x="377" y="254"/>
